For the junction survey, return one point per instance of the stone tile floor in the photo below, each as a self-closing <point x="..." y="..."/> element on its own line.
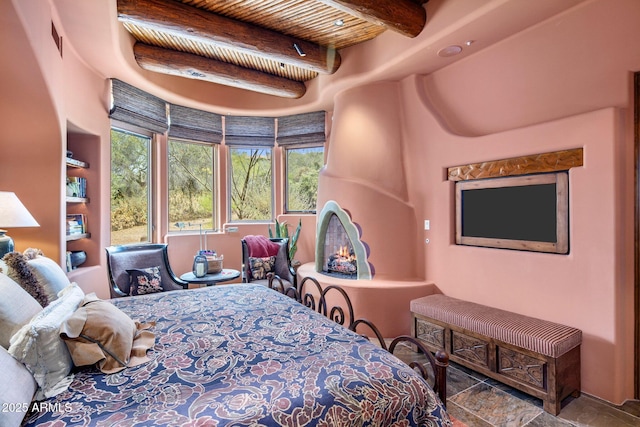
<point x="479" y="401"/>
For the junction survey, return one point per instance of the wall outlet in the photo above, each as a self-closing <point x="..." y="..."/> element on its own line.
<point x="427" y="225"/>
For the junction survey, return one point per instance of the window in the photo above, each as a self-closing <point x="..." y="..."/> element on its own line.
<point x="251" y="184"/>
<point x="303" y="167"/>
<point x="130" y="187"/>
<point x="191" y="185"/>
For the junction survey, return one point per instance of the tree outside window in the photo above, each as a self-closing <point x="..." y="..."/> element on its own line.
<point x="130" y="187"/>
<point x="191" y="181"/>
<point x="303" y="168"/>
<point x="251" y="184"/>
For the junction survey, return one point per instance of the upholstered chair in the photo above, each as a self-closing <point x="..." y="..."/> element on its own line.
<point x="124" y="261"/>
<point x="280" y="275"/>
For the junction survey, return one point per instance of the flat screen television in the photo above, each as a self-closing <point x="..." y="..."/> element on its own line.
<point x="527" y="212"/>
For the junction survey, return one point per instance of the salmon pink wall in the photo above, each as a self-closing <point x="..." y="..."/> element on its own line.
<point x="365" y="176"/>
<point x="532" y="94"/>
<point x="529" y="94"/>
<point x="45" y="96"/>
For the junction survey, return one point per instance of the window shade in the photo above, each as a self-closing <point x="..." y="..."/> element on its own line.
<point x="250" y="131"/>
<point x="195" y="125"/>
<point x="137" y="107"/>
<point x="302" y="129"/>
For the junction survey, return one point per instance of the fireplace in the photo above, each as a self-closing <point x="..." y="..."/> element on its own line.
<point x="339" y="250"/>
<point x="339" y="257"/>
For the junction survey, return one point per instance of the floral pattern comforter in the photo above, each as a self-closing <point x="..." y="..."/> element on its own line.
<point x="245" y="355"/>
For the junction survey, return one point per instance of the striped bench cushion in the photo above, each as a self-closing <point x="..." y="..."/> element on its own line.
<point x="540" y="336"/>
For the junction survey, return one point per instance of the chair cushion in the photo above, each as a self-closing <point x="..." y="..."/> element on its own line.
<point x="548" y="338"/>
<point x="145" y="281"/>
<point x="17" y="307"/>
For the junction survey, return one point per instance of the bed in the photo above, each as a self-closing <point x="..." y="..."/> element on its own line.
<point x="245" y="355"/>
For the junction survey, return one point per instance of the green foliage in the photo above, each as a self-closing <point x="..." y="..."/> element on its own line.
<point x="282" y="231"/>
<point x="251" y="188"/>
<point x="190" y="182"/>
<point x="129" y="180"/>
<point x="303" y="169"/>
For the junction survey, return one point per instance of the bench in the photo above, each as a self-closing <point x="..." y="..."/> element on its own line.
<point x="535" y="356"/>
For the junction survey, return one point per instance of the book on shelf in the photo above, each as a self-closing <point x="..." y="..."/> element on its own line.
<point x="76" y="186"/>
<point x="76" y="224"/>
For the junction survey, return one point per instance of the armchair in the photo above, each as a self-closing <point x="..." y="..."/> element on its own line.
<point x="139" y="256"/>
<point x="255" y="247"/>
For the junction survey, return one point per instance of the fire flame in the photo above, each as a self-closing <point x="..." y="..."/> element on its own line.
<point x="343" y="252"/>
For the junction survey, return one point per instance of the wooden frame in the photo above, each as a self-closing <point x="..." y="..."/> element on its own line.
<point x="636" y="290"/>
<point x="551" y="379"/>
<point x="561" y="243"/>
<point x="310" y="293"/>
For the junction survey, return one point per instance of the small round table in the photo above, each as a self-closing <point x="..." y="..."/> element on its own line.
<point x="211" y="279"/>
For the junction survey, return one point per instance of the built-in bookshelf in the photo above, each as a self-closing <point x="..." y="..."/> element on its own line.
<point x="82" y="213"/>
<point x="76" y="226"/>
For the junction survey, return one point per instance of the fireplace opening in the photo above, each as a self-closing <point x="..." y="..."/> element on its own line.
<point x="339" y="250"/>
<point x="340" y="258"/>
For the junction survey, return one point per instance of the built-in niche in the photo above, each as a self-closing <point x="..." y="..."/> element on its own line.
<point x="520" y="203"/>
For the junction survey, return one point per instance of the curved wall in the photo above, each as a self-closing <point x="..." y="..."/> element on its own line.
<point x="364" y="174"/>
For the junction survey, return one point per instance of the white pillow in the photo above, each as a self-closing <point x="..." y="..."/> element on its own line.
<point x="17" y="307"/>
<point x="49" y="275"/>
<point x="17" y="387"/>
<point x="38" y="344"/>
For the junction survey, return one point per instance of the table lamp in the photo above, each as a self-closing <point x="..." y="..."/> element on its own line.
<point x="12" y="214"/>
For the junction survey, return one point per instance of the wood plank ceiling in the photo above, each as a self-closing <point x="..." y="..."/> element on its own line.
<point x="267" y="46"/>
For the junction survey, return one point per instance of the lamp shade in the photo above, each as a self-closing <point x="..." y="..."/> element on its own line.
<point x="13" y="213"/>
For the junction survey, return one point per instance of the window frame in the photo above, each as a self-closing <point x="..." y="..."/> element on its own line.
<point x="230" y="149"/>
<point x="285" y="168"/>
<point x="152" y="185"/>
<point x="215" y="217"/>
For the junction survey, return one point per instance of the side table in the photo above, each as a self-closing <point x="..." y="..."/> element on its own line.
<point x="210" y="279"/>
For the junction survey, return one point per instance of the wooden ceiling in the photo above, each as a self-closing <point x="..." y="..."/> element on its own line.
<point x="267" y="46"/>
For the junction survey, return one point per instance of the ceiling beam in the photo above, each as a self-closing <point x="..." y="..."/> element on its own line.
<point x="403" y="16"/>
<point x="184" y="64"/>
<point x="199" y="25"/>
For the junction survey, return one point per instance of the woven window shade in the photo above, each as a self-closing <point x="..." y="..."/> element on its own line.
<point x="137" y="107"/>
<point x="195" y="125"/>
<point x="302" y="129"/>
<point x="250" y="131"/>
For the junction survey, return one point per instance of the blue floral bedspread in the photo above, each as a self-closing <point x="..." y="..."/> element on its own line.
<point x="245" y="355"/>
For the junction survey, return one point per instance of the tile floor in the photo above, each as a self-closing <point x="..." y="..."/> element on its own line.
<point x="479" y="401"/>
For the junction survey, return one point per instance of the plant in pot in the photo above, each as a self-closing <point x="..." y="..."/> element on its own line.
<point x="282" y="231"/>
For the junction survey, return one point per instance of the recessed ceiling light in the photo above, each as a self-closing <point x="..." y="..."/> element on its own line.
<point x="469" y="42"/>
<point x="449" y="51"/>
<point x="338" y="22"/>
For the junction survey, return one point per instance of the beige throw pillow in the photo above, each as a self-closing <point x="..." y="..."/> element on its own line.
<point x="102" y="334"/>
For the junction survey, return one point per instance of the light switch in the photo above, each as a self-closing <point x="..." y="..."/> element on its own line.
<point x="427" y="226"/>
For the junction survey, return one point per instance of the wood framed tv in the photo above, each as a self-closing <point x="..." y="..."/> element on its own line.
<point x="525" y="212"/>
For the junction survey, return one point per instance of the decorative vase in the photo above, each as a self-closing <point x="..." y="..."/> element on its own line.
<point x="78" y="258"/>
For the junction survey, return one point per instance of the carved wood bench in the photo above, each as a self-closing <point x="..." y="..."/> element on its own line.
<point x="535" y="356"/>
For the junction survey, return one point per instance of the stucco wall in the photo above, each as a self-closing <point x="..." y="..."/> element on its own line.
<point x="528" y="94"/>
